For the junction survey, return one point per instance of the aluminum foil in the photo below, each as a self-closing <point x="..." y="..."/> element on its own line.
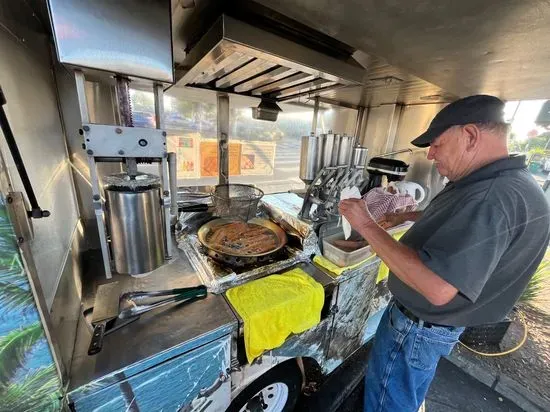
<point x="218" y="277"/>
<point x="283" y="208"/>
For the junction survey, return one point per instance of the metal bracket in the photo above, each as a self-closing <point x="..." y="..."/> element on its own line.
<point x="166" y="201"/>
<point x="116" y="141"/>
<point x="22" y="224"/>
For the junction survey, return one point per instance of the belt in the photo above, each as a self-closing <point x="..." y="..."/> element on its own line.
<point x="415" y="318"/>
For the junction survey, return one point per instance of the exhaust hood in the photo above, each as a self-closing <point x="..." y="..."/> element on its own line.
<point x="236" y="57"/>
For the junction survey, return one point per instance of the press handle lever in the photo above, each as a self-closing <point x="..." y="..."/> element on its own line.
<point x="96" y="343"/>
<point x="36" y="211"/>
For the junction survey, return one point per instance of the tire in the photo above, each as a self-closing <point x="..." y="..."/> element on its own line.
<point x="283" y="379"/>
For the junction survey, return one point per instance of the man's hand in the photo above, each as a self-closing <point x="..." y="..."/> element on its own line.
<point x="357" y="214"/>
<point x="392" y="219"/>
<point x="402" y="260"/>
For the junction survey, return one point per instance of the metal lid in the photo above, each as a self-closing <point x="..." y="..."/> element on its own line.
<point x="123" y="182"/>
<point x="391" y="166"/>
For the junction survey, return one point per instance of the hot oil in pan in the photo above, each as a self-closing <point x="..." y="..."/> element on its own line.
<point x="245" y="239"/>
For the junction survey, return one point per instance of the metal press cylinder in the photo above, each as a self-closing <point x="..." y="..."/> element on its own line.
<point x="309" y="158"/>
<point x="335" y="149"/>
<point x="135" y="223"/>
<point x="327" y="147"/>
<point x="359" y="157"/>
<point x="344" y="153"/>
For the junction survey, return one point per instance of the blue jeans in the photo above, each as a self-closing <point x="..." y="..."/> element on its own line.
<point x="403" y="360"/>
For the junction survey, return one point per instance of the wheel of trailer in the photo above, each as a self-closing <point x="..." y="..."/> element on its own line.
<point x="277" y="390"/>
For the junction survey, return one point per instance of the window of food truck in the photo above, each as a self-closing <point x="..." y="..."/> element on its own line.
<point x="263" y="153"/>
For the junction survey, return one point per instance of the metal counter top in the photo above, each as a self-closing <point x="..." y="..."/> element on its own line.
<point x="158" y="335"/>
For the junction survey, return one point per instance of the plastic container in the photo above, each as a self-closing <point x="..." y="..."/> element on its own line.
<point x="341" y="257"/>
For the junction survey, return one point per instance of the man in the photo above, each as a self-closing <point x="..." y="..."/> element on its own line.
<point x="464" y="262"/>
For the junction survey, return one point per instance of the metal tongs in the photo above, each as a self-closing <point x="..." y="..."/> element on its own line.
<point x="136" y="308"/>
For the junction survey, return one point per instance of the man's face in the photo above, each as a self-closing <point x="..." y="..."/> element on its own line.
<point x="449" y="152"/>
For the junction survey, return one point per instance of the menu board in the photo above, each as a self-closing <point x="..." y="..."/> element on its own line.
<point x="209" y="158"/>
<point x="257" y="158"/>
<point x="187" y="155"/>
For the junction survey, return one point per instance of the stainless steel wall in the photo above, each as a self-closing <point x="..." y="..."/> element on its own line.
<point x="27" y="80"/>
<point x="413" y="121"/>
<point x="380" y="128"/>
<point x="391" y="128"/>
<point x="132" y="37"/>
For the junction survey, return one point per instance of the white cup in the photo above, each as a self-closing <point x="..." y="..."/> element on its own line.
<point x="412" y="189"/>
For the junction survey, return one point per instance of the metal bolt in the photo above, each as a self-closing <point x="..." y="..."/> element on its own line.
<point x="118" y="130"/>
<point x="84" y="146"/>
<point x="166" y="193"/>
<point x="143" y="142"/>
<point x="20" y="240"/>
<point x="164" y="134"/>
<point x="90" y="152"/>
<point x="121" y="152"/>
<point x="86" y="128"/>
<point x="9" y="199"/>
<point x="96" y="197"/>
<point x="80" y="132"/>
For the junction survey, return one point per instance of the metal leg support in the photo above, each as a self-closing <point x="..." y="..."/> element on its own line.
<point x="166" y="206"/>
<point x="223" y="138"/>
<point x="99" y="216"/>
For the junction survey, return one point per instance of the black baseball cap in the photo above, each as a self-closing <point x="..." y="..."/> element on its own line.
<point x="480" y="108"/>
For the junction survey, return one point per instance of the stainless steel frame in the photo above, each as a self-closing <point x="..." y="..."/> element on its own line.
<point x="96" y="192"/>
<point x="116" y="143"/>
<point x="223" y="139"/>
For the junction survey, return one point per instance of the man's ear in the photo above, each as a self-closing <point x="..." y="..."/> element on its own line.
<point x="473" y="136"/>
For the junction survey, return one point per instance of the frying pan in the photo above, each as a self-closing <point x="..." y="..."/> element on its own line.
<point x="237" y="259"/>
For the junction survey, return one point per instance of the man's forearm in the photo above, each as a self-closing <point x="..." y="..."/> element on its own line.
<point x="407" y="266"/>
<point x="412" y="216"/>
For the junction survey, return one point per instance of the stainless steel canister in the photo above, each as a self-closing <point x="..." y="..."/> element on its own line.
<point x="309" y="158"/>
<point x="344" y="152"/>
<point x="359" y="157"/>
<point x="327" y="147"/>
<point x="335" y="149"/>
<point x="135" y="223"/>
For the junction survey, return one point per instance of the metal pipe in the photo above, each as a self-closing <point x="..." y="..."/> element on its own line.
<point x="223" y="138"/>
<point x="36" y="212"/>
<point x="398" y="151"/>
<point x="173" y="175"/>
<point x="166" y="203"/>
<point x="315" y="115"/>
<point x="81" y="94"/>
<point x="158" y="92"/>
<point x="358" y="125"/>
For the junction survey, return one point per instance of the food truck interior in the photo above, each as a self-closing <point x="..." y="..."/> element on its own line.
<point x="158" y="154"/>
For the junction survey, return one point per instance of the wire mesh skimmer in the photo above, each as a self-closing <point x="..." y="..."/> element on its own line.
<point x="236" y="200"/>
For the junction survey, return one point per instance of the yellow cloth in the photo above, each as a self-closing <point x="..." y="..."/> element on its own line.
<point x="383" y="271"/>
<point x="274" y="307"/>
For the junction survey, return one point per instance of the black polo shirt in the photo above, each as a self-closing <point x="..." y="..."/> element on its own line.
<point x="485" y="234"/>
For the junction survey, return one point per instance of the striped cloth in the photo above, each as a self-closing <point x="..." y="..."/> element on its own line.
<point x="379" y="202"/>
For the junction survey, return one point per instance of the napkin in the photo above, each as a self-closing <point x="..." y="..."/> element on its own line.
<point x="348" y="193"/>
